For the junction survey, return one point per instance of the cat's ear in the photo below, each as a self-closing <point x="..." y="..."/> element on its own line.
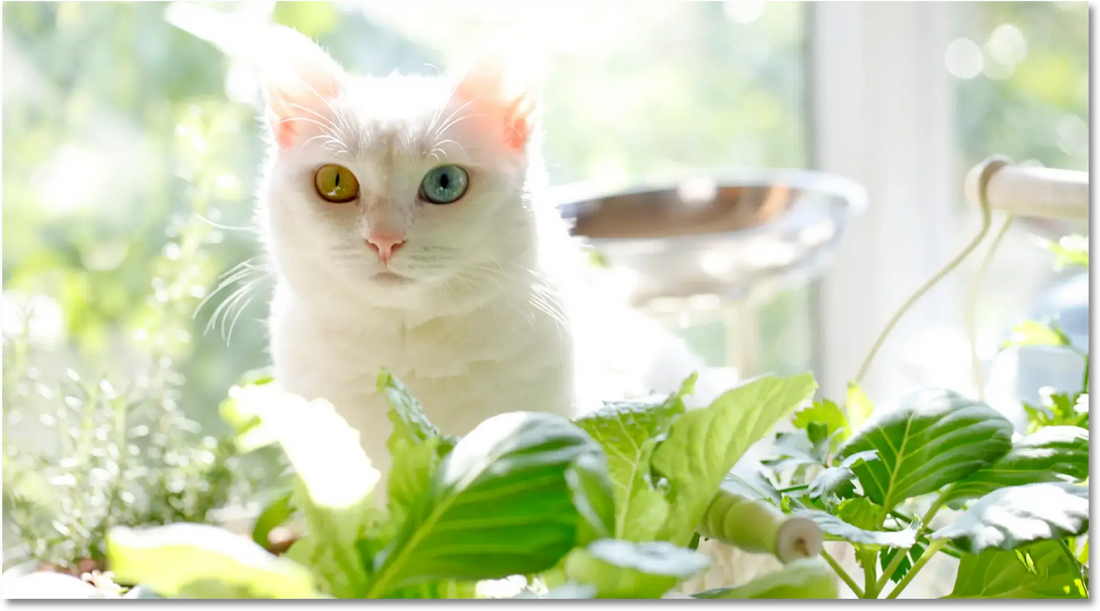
<point x="298" y="80"/>
<point x="505" y="92"/>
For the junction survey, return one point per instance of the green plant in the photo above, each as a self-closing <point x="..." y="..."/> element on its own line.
<point x="605" y="507"/>
<point x="113" y="455"/>
<point x="877" y="481"/>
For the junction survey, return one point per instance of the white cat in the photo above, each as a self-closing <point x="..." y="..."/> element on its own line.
<point x="403" y="220"/>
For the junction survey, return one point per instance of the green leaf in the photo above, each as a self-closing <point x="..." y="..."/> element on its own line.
<point x="704" y="444"/>
<point x="1012" y="517"/>
<point x="1040" y="570"/>
<point x="911" y="556"/>
<point x="1051" y="454"/>
<point x="795" y="450"/>
<point x="825" y="413"/>
<point x="623" y="569"/>
<point x="406" y="413"/>
<point x="201" y="561"/>
<point x="837" y="481"/>
<point x="856" y="524"/>
<point x="750" y="484"/>
<point x="935" y="437"/>
<point x="628" y="432"/>
<point x="858" y="405"/>
<point x="1071" y="250"/>
<point x="592" y="496"/>
<point x="274" y="515"/>
<point x="334" y="475"/>
<point x="805" y="578"/>
<point x="499" y="505"/>
<point x="1035" y="333"/>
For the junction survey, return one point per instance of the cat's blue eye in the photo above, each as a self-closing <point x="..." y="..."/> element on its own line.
<point x="445" y="184"/>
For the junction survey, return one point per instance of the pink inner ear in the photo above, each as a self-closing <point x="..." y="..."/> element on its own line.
<point x="299" y="80"/>
<point x="295" y="109"/>
<point x="483" y="87"/>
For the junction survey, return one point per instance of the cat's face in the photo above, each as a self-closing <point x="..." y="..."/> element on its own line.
<point x="391" y="189"/>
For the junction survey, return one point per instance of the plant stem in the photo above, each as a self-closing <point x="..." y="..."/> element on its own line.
<point x="904" y="554"/>
<point x="928" y="553"/>
<point x="793" y="488"/>
<point x="870" y="578"/>
<point x="947" y="269"/>
<point x="972" y="305"/>
<point x="844" y="576"/>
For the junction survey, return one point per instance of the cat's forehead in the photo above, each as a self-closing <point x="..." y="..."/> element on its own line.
<point x="395" y="99"/>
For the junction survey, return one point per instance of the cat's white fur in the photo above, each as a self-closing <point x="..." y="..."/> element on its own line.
<point x="493" y="315"/>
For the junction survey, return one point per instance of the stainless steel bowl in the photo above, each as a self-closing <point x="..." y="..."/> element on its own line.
<point x="722" y="234"/>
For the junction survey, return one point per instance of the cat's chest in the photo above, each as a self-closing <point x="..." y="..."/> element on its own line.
<point x="463" y="371"/>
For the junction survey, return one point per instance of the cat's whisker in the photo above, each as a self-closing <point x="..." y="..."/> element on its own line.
<point x="434" y="132"/>
<point x="324" y="127"/>
<point x="234" y="301"/>
<point x="240" y="310"/>
<point x="439" y="147"/>
<point x="320" y="116"/>
<point x="218" y="225"/>
<point x="329" y="140"/>
<point x="456" y="121"/>
<point x="230" y="277"/>
<point x="325" y="100"/>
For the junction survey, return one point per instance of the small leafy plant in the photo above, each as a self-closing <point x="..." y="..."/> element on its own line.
<point x="604" y="507"/>
<point x="877" y="481"/>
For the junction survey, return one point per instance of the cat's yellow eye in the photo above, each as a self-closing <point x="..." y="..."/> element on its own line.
<point x="336" y="184"/>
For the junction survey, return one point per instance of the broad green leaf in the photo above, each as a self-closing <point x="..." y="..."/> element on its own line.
<point x="499" y="505"/>
<point x="1051" y="454"/>
<point x="1035" y="333"/>
<point x="935" y="437"/>
<point x="856" y="524"/>
<point x="1040" y="570"/>
<point x="1071" y="250"/>
<point x="1012" y="517"/>
<point x="629" y="432"/>
<point x="806" y="578"/>
<point x="858" y="406"/>
<point x="274" y="515"/>
<point x="623" y="569"/>
<point x="334" y="474"/>
<point x="201" y="561"/>
<point x="826" y="413"/>
<point x="414" y="463"/>
<point x="704" y="444"/>
<point x="592" y="496"/>
<point x="416" y="449"/>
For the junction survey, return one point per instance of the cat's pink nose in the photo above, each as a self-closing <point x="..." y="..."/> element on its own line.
<point x="385" y="244"/>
